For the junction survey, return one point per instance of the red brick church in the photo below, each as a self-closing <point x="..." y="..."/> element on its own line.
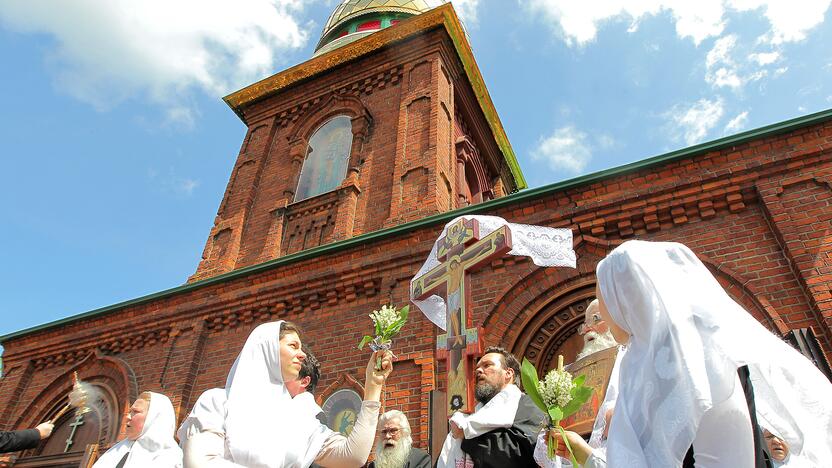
<point x="352" y="163"/>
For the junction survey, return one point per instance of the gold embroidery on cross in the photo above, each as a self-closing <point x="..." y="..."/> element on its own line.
<point x="460" y="252"/>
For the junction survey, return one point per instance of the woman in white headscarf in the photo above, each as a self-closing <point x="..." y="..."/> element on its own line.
<point x="149" y="441"/>
<point x="679" y="383"/>
<point x="262" y="426"/>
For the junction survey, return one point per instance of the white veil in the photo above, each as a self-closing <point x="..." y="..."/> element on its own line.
<point x="208" y="414"/>
<point x="687" y="339"/>
<point x="264" y="428"/>
<point x="155" y="446"/>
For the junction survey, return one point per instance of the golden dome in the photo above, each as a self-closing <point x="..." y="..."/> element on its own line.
<point x="352" y="9"/>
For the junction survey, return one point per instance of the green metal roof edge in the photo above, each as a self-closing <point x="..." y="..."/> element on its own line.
<point x="466" y="55"/>
<point x="519" y="197"/>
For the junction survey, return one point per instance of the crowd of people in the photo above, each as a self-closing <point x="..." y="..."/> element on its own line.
<point x="696" y="382"/>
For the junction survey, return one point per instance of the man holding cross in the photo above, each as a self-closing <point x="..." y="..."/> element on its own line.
<point x="504" y="424"/>
<point x="503" y="429"/>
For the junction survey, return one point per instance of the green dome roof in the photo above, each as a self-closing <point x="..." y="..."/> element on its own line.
<point x="340" y="30"/>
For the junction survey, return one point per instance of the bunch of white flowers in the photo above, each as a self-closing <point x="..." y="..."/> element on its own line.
<point x="556" y="388"/>
<point x="384" y="318"/>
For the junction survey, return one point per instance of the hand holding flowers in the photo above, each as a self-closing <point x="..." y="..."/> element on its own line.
<point x="387" y="323"/>
<point x="558" y="395"/>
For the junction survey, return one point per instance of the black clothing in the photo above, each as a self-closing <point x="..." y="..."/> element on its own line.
<point x="417" y="458"/>
<point x="123" y="460"/>
<point x="513" y="446"/>
<point x="760" y="458"/>
<point x="13" y="441"/>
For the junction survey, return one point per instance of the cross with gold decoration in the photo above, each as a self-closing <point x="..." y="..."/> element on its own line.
<point x="460" y="252"/>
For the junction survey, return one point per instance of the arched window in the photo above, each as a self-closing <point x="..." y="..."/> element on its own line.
<point x="327" y="155"/>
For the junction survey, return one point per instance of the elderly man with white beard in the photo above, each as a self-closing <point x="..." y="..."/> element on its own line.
<point x="596" y="332"/>
<point x="395" y="446"/>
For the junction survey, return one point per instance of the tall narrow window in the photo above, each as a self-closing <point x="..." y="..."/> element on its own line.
<point x="327" y="155"/>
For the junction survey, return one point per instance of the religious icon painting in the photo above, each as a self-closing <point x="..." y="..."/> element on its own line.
<point x="597" y="368"/>
<point x="341" y="410"/>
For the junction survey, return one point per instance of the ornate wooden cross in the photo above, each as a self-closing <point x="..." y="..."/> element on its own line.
<point x="79" y="421"/>
<point x="461" y="251"/>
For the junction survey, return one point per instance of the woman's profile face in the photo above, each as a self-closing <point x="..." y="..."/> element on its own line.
<point x="620" y="335"/>
<point x="291" y="356"/>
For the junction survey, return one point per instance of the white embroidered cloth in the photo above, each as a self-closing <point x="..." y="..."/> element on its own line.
<point x="547" y="247"/>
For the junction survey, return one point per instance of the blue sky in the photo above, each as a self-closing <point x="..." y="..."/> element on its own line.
<point x="116" y="146"/>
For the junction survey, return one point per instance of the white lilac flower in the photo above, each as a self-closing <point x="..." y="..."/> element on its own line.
<point x="556" y="388"/>
<point x="385" y="317"/>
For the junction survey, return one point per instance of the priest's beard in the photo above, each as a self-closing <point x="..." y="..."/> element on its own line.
<point x="599" y="342"/>
<point x="395" y="455"/>
<point x="484" y="392"/>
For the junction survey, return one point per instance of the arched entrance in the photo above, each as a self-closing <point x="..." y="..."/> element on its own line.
<point x="112" y="388"/>
<point x="553" y="327"/>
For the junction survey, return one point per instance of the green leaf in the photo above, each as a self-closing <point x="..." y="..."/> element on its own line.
<point x="364" y="341"/>
<point x="579" y="380"/>
<point x="528" y="374"/>
<point x="555" y="413"/>
<point x="580" y="395"/>
<point x="403" y="312"/>
<point x="568" y="447"/>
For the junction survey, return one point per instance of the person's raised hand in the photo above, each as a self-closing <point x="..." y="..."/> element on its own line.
<point x="377" y="377"/>
<point x="45" y="429"/>
<point x="580" y="448"/>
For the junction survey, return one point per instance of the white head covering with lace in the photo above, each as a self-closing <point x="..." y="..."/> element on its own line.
<point x="155" y="446"/>
<point x="687" y="339"/>
<point x="548" y="247"/>
<point x="263" y="427"/>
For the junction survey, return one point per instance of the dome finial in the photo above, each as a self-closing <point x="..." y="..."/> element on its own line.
<point x="354" y="19"/>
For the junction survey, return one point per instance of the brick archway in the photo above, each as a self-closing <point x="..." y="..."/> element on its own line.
<point x="114" y="387"/>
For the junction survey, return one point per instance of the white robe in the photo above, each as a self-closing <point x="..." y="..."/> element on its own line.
<point x="155" y="446"/>
<point x="499" y="412"/>
<point x="260" y="412"/>
<point x="687" y="340"/>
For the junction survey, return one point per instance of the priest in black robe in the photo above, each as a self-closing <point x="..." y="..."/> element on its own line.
<point x="503" y="429"/>
<point x="13" y="441"/>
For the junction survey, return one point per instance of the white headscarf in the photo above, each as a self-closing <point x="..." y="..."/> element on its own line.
<point x="263" y="427"/>
<point x="687" y="339"/>
<point x="208" y="414"/>
<point x="155" y="446"/>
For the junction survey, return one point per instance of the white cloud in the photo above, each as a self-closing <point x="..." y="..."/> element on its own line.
<point x="171" y="182"/>
<point x="737" y="123"/>
<point x="765" y="58"/>
<point x="691" y="123"/>
<point x="578" y="22"/>
<point x="790" y="21"/>
<point x="467" y="10"/>
<point x="569" y="149"/>
<point x="106" y="52"/>
<point x="721" y="70"/>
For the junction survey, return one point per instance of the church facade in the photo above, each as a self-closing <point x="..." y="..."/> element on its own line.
<point x="351" y="165"/>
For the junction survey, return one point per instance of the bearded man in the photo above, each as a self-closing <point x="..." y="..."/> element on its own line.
<point x="596" y="332"/>
<point x="503" y="429"/>
<point x="395" y="446"/>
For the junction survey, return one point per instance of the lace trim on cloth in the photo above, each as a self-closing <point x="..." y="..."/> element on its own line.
<point x="545" y="246"/>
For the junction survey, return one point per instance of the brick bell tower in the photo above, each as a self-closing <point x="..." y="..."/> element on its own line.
<point x="389" y="122"/>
